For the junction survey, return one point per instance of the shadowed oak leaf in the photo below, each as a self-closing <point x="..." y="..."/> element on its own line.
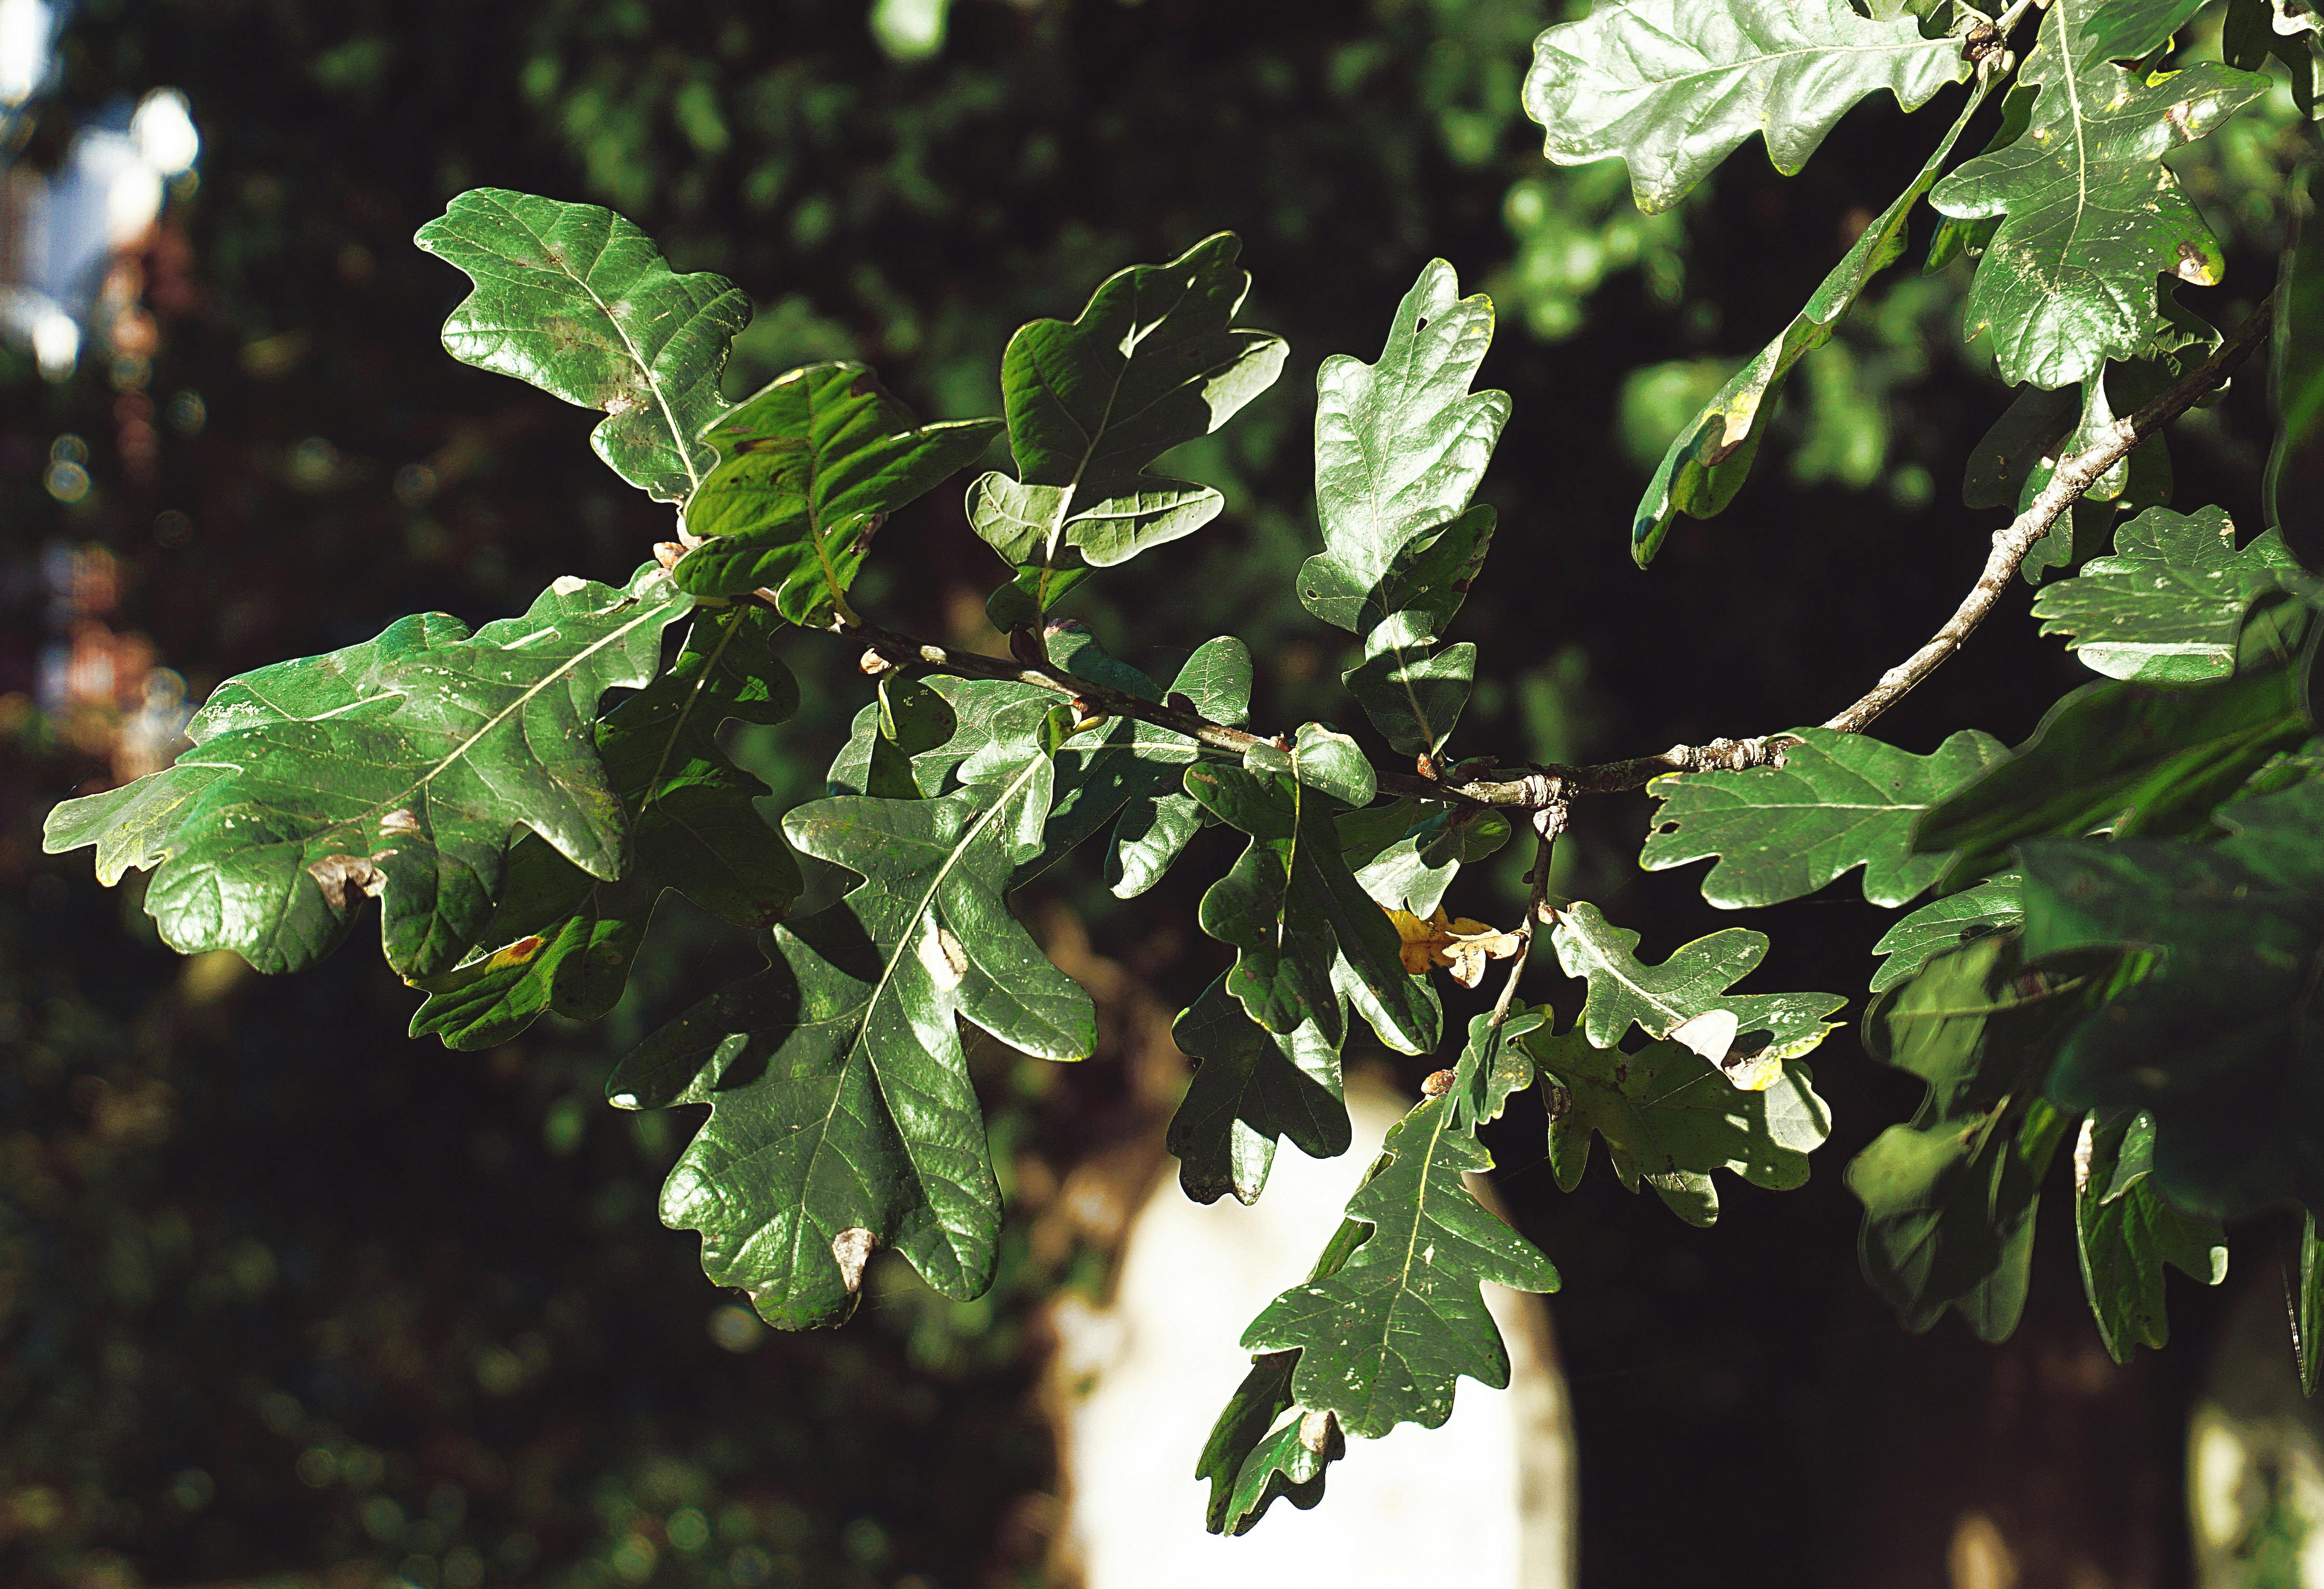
<point x="2091" y="216"/>
<point x="402" y="769"/>
<point x="2126" y="1231"/>
<point x="576" y="301"/>
<point x="1949" y="1199"/>
<point x="1249" y="1088"/>
<point x="1673" y="86"/>
<point x="1838" y="801"/>
<point x="1669" y="1117"/>
<point x="2222" y="1038"/>
<point x="808" y="471"/>
<point x="1305" y="932"/>
<point x="563" y="940"/>
<point x="841" y="1113"/>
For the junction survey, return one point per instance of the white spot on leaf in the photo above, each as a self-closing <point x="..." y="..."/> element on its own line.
<point x="342" y="877"/>
<point x="851" y="1250"/>
<point x="941" y="953"/>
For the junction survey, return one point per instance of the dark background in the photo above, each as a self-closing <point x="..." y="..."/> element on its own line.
<point x="286" y="1297"/>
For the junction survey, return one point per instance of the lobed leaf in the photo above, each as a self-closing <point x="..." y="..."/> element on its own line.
<point x="1994" y="905"/>
<point x="576" y="301"/>
<point x="1949" y="1199"/>
<point x="807" y="470"/>
<point x="1305" y="933"/>
<point x="2089" y="214"/>
<point x="841" y="1114"/>
<point x="1838" y="801"/>
<point x="402" y="769"/>
<point x="2169" y="604"/>
<point x="2220" y="1039"/>
<point x="1693" y="983"/>
<point x="1264" y="1445"/>
<point x="1152" y="362"/>
<point x="1670" y="1117"/>
<point x="1673" y="86"/>
<point x="562" y="940"/>
<point x="1706" y="463"/>
<point x="1400" y="446"/>
<point x="1384" y="1337"/>
<point x="2126" y="1231"/>
<point x="1249" y="1088"/>
<point x="2130" y="756"/>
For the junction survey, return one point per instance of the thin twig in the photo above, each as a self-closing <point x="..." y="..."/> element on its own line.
<point x="2074" y="476"/>
<point x="1549" y="786"/>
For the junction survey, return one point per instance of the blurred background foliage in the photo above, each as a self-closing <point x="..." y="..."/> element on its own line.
<point x="286" y="1298"/>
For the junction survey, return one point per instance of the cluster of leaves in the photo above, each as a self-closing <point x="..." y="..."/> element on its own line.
<point x="2128" y="905"/>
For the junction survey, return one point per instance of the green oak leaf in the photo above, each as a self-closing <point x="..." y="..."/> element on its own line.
<point x="1949" y="1199"/>
<point x="563" y="940"/>
<point x="2169" y="604"/>
<point x="2221" y="1039"/>
<point x="2130" y="30"/>
<point x="2091" y="215"/>
<point x="2129" y="755"/>
<point x="1305" y="932"/>
<point x="1152" y="362"/>
<point x="2126" y="1231"/>
<point x="1264" y="1447"/>
<point x="1693" y="983"/>
<point x="1958" y="239"/>
<point x="2293" y="488"/>
<point x="1673" y="86"/>
<point x="1126" y="771"/>
<point x="1249" y="1088"/>
<point x="1838" y="801"/>
<point x="841" y="1113"/>
<point x="1493" y="1066"/>
<point x="1406" y="853"/>
<point x="1994" y="905"/>
<point x="1400" y="446"/>
<point x="1706" y="463"/>
<point x="1670" y="1117"/>
<point x="402" y="769"/>
<point x="2308" y="1311"/>
<point x="807" y="470"/>
<point x="1383" y="1338"/>
<point x="2034" y="426"/>
<point x="576" y="301"/>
